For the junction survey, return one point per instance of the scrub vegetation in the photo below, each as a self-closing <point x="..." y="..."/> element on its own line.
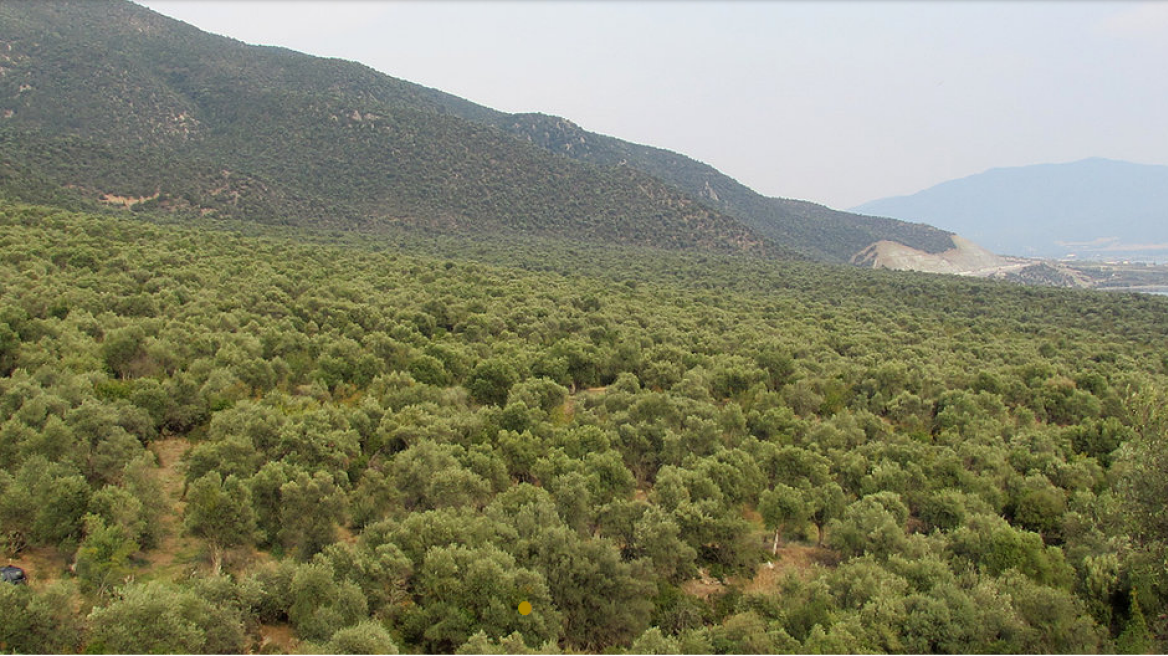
<point x="296" y="357"/>
<point x="262" y="440"/>
<point x="114" y="104"/>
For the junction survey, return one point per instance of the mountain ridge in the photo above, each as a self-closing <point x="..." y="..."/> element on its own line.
<point x="1092" y="208"/>
<point x="820" y="231"/>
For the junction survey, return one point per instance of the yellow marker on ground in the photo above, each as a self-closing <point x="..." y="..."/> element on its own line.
<point x="524" y="608"/>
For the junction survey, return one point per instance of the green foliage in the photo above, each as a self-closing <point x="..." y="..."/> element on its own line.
<point x="119" y="508"/>
<point x="657" y="536"/>
<point x="491" y="381"/>
<point x="1141" y="465"/>
<point x="783" y="507"/>
<point x="38" y="622"/>
<point x="220" y="512"/>
<point x="479" y="643"/>
<point x="103" y="557"/>
<point x="311" y="508"/>
<point x="990" y="543"/>
<point x="43" y="503"/>
<point x="1135" y="637"/>
<point x="652" y="641"/>
<point x="873" y="525"/>
<point x="381" y="571"/>
<point x="158" y="618"/>
<point x="592" y="446"/>
<point x="1144" y="468"/>
<point x="122" y="350"/>
<point x="140" y="481"/>
<point x="945" y="509"/>
<point x="465" y="590"/>
<point x="320" y="604"/>
<point x="368" y="637"/>
<point x="749" y="633"/>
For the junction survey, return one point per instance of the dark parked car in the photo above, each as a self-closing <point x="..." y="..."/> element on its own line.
<point x="14" y="575"/>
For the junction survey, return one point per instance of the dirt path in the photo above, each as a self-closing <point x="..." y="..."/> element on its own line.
<point x="175" y="553"/>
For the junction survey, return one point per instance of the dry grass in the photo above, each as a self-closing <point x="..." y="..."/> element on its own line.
<point x="41" y="565"/>
<point x="797" y="560"/>
<point x="277" y="639"/>
<point x="704" y="586"/>
<point x="176" y="554"/>
<point x="792" y="560"/>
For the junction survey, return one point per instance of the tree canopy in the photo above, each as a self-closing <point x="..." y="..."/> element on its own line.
<point x="359" y="443"/>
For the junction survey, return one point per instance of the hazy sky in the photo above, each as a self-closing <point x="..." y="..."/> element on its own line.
<point x="835" y="102"/>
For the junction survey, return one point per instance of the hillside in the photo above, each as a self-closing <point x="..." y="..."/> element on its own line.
<point x="1091" y="209"/>
<point x="114" y="103"/>
<point x="823" y="233"/>
<point x="111" y="101"/>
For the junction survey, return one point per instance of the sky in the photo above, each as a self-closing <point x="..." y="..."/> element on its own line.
<point x="837" y="102"/>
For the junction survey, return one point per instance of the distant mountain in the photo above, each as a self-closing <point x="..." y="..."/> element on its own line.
<point x="1096" y="209"/>
<point x="111" y="103"/>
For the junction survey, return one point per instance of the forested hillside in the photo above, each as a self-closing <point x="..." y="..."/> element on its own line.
<point x="820" y="232"/>
<point x="112" y="103"/>
<point x="286" y="441"/>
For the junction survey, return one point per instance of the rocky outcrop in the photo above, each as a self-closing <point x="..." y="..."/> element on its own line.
<point x="964" y="259"/>
<point x="968" y="259"/>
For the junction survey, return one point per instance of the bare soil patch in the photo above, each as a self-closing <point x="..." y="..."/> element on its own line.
<point x="277" y="639"/>
<point x="794" y="559"/>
